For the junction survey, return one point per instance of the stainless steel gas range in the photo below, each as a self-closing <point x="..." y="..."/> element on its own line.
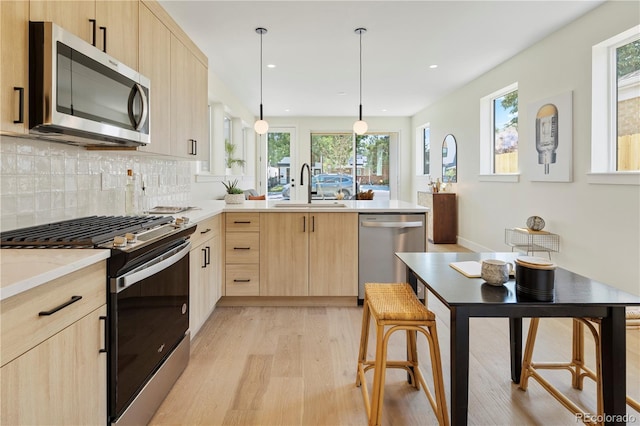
<point x="148" y="301"/>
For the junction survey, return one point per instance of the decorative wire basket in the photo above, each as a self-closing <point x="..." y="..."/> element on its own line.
<point x="526" y="240"/>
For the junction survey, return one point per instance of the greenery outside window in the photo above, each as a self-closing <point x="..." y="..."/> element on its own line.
<point x="499" y="133"/>
<point x="615" y="131"/>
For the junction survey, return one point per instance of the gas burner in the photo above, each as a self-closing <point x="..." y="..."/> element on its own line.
<point x="85" y="232"/>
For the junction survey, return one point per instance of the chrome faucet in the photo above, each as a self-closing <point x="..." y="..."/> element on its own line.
<point x="302" y="180"/>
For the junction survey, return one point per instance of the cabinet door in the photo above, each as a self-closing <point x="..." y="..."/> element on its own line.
<point x="197" y="287"/>
<point x="200" y="109"/>
<point x="62" y="380"/>
<point x="189" y="98"/>
<point x="205" y="281"/>
<point x="284" y="254"/>
<point x="215" y="271"/>
<point x="14" y="44"/>
<point x="74" y="16"/>
<point x="120" y="19"/>
<point x="333" y="250"/>
<point x="181" y="82"/>
<point x="155" y="63"/>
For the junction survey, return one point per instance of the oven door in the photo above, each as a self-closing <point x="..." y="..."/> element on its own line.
<point x="149" y="317"/>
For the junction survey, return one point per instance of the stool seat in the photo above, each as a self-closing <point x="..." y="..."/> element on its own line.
<point x="396" y="302"/>
<point x="396" y="306"/>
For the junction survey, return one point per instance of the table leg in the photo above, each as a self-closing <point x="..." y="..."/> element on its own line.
<point x="412" y="280"/>
<point x="459" y="365"/>
<point x="614" y="359"/>
<point x="515" y="334"/>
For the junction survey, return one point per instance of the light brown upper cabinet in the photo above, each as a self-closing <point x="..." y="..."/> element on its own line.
<point x="73" y="16"/>
<point x="155" y="64"/>
<point x="111" y="26"/>
<point x="14" y="77"/>
<point x="119" y="38"/>
<point x="189" y="135"/>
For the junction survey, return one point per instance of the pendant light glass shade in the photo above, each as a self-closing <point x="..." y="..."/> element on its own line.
<point x="261" y="126"/>
<point x="360" y="127"/>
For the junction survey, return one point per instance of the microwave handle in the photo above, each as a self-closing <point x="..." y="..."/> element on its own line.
<point x="137" y="88"/>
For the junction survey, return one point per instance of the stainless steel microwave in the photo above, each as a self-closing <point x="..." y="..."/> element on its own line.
<point x="80" y="95"/>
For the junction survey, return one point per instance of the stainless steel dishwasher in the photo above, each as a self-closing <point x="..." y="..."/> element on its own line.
<point x="380" y="237"/>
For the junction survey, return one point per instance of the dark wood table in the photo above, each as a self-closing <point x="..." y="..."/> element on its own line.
<point x="575" y="296"/>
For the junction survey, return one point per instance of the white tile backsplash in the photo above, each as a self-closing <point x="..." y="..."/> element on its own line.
<point x="43" y="182"/>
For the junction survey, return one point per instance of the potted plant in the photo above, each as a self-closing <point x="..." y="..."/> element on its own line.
<point x="234" y="194"/>
<point x="230" y="161"/>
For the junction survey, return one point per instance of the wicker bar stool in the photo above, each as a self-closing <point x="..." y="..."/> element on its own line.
<point x="395" y="305"/>
<point x="577" y="365"/>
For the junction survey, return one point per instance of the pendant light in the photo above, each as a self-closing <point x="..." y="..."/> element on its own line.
<point x="360" y="127"/>
<point x="261" y="126"/>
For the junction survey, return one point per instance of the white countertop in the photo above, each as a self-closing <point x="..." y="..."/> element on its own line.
<point x="208" y="208"/>
<point x="23" y="269"/>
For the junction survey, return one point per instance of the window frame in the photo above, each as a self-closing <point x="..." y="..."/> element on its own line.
<point x="487" y="157"/>
<point x="604" y="112"/>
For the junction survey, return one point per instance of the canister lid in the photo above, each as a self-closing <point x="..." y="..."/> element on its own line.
<point x="535" y="262"/>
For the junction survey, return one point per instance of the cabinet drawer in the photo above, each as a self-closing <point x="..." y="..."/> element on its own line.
<point x="243" y="222"/>
<point x="242" y="280"/>
<point x="242" y="247"/>
<point x="205" y="230"/>
<point x="23" y="327"/>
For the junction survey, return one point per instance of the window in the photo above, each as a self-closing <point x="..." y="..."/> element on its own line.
<point x="499" y="132"/>
<point x="423" y="150"/>
<point x="278" y="164"/>
<point x="615" y="131"/>
<point x="426" y="150"/>
<point x="342" y="167"/>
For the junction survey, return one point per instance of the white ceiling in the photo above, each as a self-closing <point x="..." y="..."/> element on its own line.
<point x="315" y="48"/>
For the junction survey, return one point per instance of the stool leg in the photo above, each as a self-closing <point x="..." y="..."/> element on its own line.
<point x="378" y="377"/>
<point x="364" y="340"/>
<point x="528" y="352"/>
<point x="577" y="354"/>
<point x="412" y="357"/>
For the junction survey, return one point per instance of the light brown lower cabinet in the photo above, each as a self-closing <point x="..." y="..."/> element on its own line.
<point x="205" y="273"/>
<point x="53" y="367"/>
<point x="308" y="254"/>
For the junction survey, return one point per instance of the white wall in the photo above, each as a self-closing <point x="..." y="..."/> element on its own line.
<point x="599" y="225"/>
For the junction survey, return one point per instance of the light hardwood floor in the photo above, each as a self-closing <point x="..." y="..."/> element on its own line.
<point x="297" y="366"/>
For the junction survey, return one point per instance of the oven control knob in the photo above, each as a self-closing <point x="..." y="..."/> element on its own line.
<point x="131" y="238"/>
<point x="181" y="221"/>
<point x="119" y="242"/>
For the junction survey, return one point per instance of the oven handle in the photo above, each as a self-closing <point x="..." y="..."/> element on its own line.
<point x="152" y="267"/>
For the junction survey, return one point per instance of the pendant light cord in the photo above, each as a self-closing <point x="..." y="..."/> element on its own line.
<point x="360" y="74"/>
<point x="261" y="75"/>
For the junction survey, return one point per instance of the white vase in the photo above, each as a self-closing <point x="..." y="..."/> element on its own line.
<point x="234" y="198"/>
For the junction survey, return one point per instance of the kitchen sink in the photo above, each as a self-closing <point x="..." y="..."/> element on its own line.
<point x="312" y="205"/>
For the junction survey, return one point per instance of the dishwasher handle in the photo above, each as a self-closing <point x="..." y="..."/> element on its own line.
<point x="391" y="224"/>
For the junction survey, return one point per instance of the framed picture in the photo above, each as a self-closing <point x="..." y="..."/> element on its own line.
<point x="550" y="155"/>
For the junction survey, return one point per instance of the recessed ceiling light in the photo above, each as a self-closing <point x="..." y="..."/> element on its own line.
<point x="287" y="110"/>
<point x="433" y="66"/>
<point x="271" y="66"/>
<point x="384" y="110"/>
<point x="342" y="93"/>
